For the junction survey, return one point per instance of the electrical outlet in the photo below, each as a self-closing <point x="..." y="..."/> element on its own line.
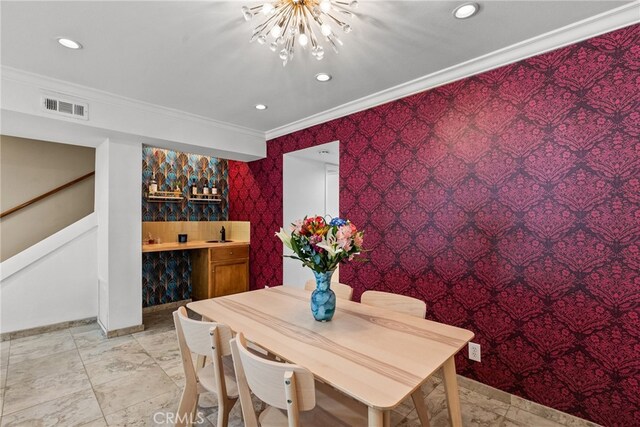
<point x="474" y="351"/>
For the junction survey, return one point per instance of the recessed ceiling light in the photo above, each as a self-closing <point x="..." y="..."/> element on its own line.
<point x="323" y="77"/>
<point x="261" y="107"/>
<point x="466" y="10"/>
<point x="68" y="43"/>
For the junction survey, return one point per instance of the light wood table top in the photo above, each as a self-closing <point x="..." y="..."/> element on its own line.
<point x="377" y="356"/>
<point x="196" y="244"/>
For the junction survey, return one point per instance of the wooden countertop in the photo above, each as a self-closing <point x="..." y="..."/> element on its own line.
<point x="196" y="244"/>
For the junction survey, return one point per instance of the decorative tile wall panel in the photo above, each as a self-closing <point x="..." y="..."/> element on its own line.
<point x="166" y="276"/>
<point x="174" y="168"/>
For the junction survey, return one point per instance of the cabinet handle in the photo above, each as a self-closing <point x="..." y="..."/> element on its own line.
<point x="231" y="253"/>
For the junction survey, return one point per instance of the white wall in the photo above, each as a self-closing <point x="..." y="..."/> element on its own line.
<point x="303" y="194"/>
<point x="115" y="116"/>
<point x="332" y="190"/>
<point x="57" y="287"/>
<point x="118" y="172"/>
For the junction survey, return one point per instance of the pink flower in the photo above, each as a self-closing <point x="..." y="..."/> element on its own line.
<point x="296" y="226"/>
<point x="344" y="232"/>
<point x="358" y="240"/>
<point x="344" y="244"/>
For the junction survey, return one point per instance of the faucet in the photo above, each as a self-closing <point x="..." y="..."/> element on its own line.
<point x="223" y="233"/>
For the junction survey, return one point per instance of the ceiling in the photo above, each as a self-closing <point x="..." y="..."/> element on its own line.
<point x="196" y="56"/>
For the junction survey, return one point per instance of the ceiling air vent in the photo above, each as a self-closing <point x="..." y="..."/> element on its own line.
<point x="65" y="107"/>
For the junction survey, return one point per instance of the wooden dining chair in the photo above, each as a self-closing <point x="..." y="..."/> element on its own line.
<point x="412" y="307"/>
<point x="293" y="397"/>
<point x="206" y="339"/>
<point x="395" y="302"/>
<point x="341" y="290"/>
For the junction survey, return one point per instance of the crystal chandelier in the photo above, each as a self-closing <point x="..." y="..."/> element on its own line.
<point x="291" y="21"/>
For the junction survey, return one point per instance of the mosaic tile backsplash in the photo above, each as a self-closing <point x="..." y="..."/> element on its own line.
<point x="166" y="277"/>
<point x="174" y="168"/>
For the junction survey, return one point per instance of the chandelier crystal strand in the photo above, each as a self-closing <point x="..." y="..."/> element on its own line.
<point x="305" y="22"/>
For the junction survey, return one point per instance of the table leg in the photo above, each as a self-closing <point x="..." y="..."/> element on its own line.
<point x="421" y="408"/>
<point x="376" y="417"/>
<point x="387" y="418"/>
<point x="451" y="390"/>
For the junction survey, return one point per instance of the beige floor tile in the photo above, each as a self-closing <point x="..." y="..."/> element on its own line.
<point x="477" y="410"/>
<point x="67" y="361"/>
<point x="175" y="371"/>
<point x="42" y="389"/>
<point x="431" y="385"/>
<point x="85" y="328"/>
<point x="109" y="348"/>
<point x="163" y="347"/>
<point x="4" y="353"/>
<point x="4" y="370"/>
<point x="37" y="346"/>
<point x="137" y="387"/>
<point x="158" y="342"/>
<point x="4" y="364"/>
<point x="405" y="408"/>
<point x="129" y="358"/>
<point x="89" y="338"/>
<point x="550" y="413"/>
<point x="484" y="389"/>
<point x="156" y="323"/>
<point x="74" y="409"/>
<point x="517" y="417"/>
<point x="159" y="410"/>
<point x="98" y="422"/>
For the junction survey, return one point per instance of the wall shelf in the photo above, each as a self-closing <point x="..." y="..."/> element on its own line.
<point x="164" y="196"/>
<point x="204" y="198"/>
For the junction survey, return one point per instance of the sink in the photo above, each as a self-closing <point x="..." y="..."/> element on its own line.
<point x="219" y="241"/>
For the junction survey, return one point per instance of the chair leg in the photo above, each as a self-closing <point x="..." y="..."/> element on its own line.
<point x="194" y="411"/>
<point x="223" y="415"/>
<point x="186" y="407"/>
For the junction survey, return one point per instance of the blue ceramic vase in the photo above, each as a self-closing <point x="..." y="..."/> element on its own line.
<point x="323" y="299"/>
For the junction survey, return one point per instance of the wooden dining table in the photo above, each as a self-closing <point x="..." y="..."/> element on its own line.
<point x="375" y="355"/>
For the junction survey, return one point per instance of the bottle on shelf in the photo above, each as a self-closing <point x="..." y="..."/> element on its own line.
<point x="205" y="188"/>
<point x="214" y="190"/>
<point x="194" y="188"/>
<point x="153" y="185"/>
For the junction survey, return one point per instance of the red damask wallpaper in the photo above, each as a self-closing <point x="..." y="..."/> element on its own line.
<point x="510" y="203"/>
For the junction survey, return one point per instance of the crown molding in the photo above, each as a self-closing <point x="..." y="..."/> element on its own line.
<point x="52" y="85"/>
<point x="611" y="20"/>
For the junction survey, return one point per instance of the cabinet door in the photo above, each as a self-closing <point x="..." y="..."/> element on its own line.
<point x="230" y="277"/>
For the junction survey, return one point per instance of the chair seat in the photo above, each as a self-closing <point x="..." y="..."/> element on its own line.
<point x="332" y="409"/>
<point x="207" y="379"/>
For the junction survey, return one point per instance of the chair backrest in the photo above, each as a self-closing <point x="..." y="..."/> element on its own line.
<point x="395" y="302"/>
<point x="206" y="339"/>
<point x="341" y="290"/>
<point x="197" y="334"/>
<point x="282" y="385"/>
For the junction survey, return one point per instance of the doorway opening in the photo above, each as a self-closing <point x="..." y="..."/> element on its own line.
<point x="310" y="187"/>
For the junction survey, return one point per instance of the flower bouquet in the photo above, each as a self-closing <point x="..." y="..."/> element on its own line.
<point x="321" y="246"/>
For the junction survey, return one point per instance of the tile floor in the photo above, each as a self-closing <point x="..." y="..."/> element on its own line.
<point x="77" y="377"/>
